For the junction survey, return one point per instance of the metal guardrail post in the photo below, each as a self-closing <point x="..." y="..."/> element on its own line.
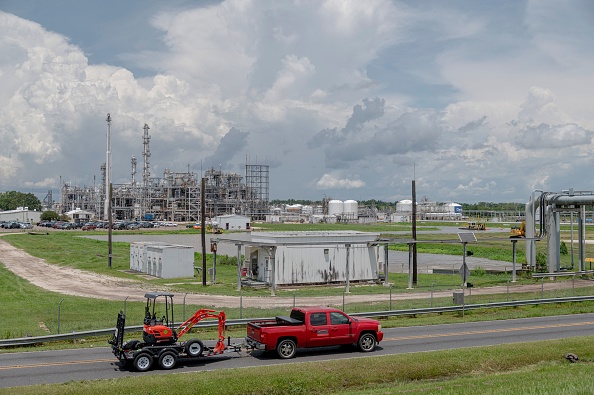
<point x="241" y="304"/>
<point x="184" y="308"/>
<point x="431" y="303"/>
<point x="125" y="304"/>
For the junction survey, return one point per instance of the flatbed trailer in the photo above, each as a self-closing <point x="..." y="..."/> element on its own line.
<point x="160" y="340"/>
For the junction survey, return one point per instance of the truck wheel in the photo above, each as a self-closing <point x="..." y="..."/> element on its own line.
<point x="194" y="348"/>
<point x="167" y="359"/>
<point x="143" y="362"/>
<point x="367" y="342"/>
<point x="286" y="349"/>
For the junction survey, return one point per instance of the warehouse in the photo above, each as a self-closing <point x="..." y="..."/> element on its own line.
<point x="292" y="258"/>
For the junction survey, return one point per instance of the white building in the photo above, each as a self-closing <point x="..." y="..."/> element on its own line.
<point x="283" y="258"/>
<point x="233" y="222"/>
<point x="162" y="260"/>
<point x="21" y="214"/>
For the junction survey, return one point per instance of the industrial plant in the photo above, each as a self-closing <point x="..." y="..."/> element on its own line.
<point x="176" y="196"/>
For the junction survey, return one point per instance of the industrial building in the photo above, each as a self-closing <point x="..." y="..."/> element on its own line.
<point x="291" y="258"/>
<point x="176" y="196"/>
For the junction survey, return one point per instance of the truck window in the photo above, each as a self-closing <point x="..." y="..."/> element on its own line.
<point x="298" y="315"/>
<point x="318" y="319"/>
<point x="338" y="319"/>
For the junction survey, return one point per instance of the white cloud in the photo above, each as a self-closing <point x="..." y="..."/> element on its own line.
<point x="329" y="181"/>
<point x="483" y="100"/>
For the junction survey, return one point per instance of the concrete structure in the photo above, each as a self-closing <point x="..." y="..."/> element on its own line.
<point x="79" y="215"/>
<point x="291" y="258"/>
<point x="233" y="222"/>
<point x="21" y="214"/>
<point x="162" y="260"/>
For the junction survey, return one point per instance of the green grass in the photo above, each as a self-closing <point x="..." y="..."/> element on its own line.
<point x="29" y="310"/>
<point x="521" y="368"/>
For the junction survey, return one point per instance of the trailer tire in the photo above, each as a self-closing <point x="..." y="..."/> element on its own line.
<point x="167" y="359"/>
<point x="286" y="349"/>
<point x="367" y="342"/>
<point x="143" y="362"/>
<point x="194" y="348"/>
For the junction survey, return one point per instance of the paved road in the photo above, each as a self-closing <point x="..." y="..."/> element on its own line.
<point x="45" y="367"/>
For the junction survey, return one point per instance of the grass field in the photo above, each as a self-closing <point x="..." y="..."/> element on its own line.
<point x="528" y="368"/>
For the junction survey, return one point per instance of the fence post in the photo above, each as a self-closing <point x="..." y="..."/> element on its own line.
<point x="125" y="304"/>
<point x="343" y="301"/>
<point x="507" y="292"/>
<point x="294" y="297"/>
<point x="241" y="304"/>
<point x="59" y="305"/>
<point x="390" y="296"/>
<point x="184" y="308"/>
<point x="432" y="284"/>
<point x="542" y="288"/>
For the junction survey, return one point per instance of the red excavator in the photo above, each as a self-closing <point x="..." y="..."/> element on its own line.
<point x="160" y="337"/>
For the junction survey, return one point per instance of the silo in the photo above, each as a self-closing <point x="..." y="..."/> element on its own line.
<point x="351" y="208"/>
<point x="335" y="207"/>
<point x="404" y="205"/>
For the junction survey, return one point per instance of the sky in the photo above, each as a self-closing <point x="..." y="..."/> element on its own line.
<point x="477" y="101"/>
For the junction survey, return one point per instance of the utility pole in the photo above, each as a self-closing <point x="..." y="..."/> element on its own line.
<point x="203" y="230"/>
<point x="108" y="191"/>
<point x="414" y="233"/>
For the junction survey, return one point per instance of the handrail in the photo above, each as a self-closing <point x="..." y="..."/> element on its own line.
<point x="24" y="341"/>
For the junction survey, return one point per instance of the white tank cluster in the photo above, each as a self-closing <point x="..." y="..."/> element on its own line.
<point x="404" y="205"/>
<point x="349" y="208"/>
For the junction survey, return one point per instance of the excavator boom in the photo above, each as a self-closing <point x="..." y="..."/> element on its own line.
<point x="205" y="314"/>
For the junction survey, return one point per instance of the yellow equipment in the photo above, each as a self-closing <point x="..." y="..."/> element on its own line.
<point x="516" y="232"/>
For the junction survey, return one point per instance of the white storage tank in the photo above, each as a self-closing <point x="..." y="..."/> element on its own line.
<point x="404" y="205"/>
<point x="351" y="208"/>
<point x="454" y="208"/>
<point x="335" y="207"/>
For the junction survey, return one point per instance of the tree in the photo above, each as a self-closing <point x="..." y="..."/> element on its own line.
<point x="49" y="216"/>
<point x="12" y="199"/>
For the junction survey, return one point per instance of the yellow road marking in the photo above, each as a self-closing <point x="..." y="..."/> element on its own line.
<point x="482" y="332"/>
<point x="39" y="365"/>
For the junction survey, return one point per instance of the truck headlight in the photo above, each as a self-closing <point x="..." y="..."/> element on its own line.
<point x="379" y="327"/>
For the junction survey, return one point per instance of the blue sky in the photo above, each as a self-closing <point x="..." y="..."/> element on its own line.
<point x="479" y="100"/>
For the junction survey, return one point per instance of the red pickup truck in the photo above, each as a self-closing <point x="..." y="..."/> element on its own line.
<point x="313" y="327"/>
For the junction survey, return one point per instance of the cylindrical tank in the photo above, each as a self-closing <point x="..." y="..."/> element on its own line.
<point x="294" y="208"/>
<point x="351" y="208"/>
<point x="404" y="205"/>
<point x="335" y="207"/>
<point x="454" y="208"/>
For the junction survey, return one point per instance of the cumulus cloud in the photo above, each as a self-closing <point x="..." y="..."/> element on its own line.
<point x="233" y="142"/>
<point x="483" y="101"/>
<point x="329" y="181"/>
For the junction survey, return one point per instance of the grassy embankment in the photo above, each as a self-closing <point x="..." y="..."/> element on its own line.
<point x="523" y="368"/>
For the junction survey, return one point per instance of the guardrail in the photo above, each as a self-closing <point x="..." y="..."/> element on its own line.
<point x="24" y="341"/>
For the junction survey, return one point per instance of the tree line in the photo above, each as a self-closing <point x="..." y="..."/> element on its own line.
<point x="12" y="199"/>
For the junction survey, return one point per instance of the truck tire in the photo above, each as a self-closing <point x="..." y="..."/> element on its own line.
<point x="143" y="362"/>
<point x="167" y="359"/>
<point x="367" y="342"/>
<point x="286" y="349"/>
<point x="194" y="348"/>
